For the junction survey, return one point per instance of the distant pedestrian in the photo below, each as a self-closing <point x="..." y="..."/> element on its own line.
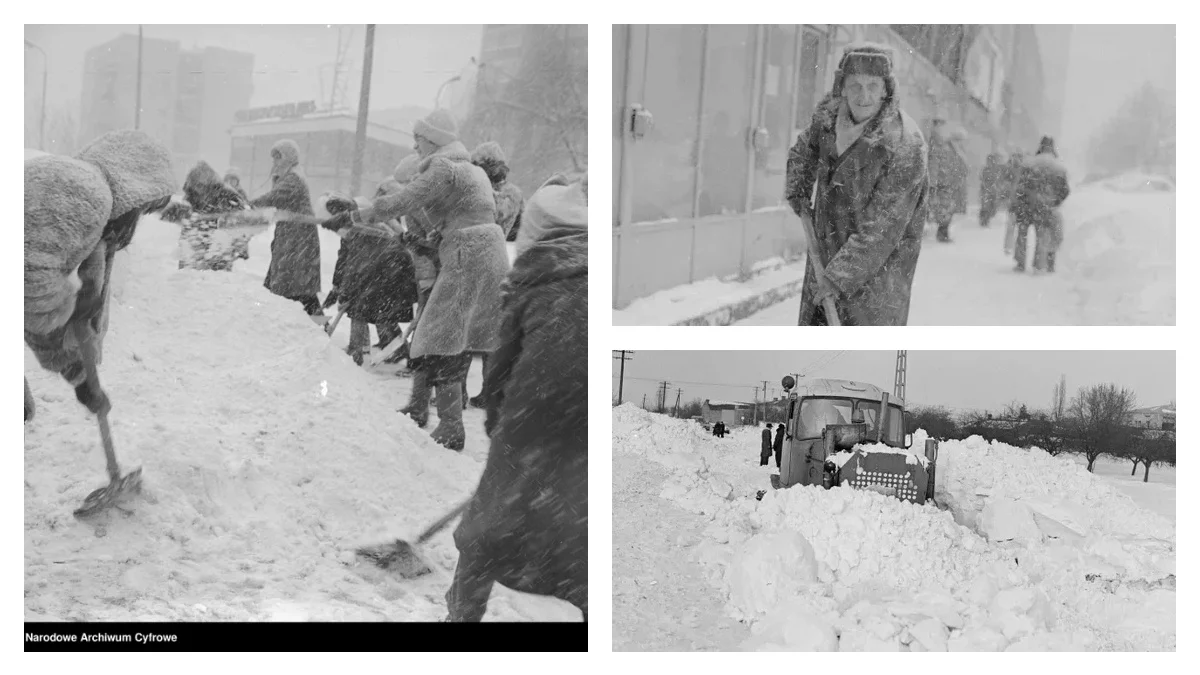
<point x="1042" y="189"/>
<point x="764" y="457"/>
<point x="947" y="178"/>
<point x="993" y="187"/>
<point x="779" y="434"/>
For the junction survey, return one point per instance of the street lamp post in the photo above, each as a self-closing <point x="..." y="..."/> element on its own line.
<point x="42" y="122"/>
<point x="438" y="99"/>
<point x="137" y="111"/>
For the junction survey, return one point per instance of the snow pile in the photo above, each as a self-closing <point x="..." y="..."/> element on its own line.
<point x="815" y="569"/>
<point x="1123" y="245"/>
<point x="672" y="305"/>
<point x="268" y="458"/>
<point x="1060" y="494"/>
<point x="911" y="455"/>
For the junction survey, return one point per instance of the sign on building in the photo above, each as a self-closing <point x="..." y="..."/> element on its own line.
<point x="281" y="111"/>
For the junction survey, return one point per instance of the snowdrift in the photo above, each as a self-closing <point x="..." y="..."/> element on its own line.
<point x="1033" y="553"/>
<point x="268" y="457"/>
<point x="1122" y="242"/>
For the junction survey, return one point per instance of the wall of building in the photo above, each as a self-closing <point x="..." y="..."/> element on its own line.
<point x="730" y="416"/>
<point x="188" y="97"/>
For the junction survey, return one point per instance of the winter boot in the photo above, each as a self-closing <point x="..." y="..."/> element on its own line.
<point x="418" y="402"/>
<point x="450" y="432"/>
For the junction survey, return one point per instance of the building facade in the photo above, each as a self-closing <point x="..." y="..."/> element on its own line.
<point x="704" y="116"/>
<point x="326" y="141"/>
<point x="188" y="97"/>
<point x="731" y="413"/>
<point x="1160" y="418"/>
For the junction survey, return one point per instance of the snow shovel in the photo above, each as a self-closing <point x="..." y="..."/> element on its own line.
<point x="118" y="486"/>
<point x="395" y="345"/>
<point x="333" y="324"/>
<point x="403" y="557"/>
<point x="831" y="315"/>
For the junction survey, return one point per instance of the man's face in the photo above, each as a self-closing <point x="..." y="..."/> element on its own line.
<point x="864" y="94"/>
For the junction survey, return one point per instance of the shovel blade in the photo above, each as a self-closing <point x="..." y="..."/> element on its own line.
<point x="398" y="557"/>
<point x="110" y="494"/>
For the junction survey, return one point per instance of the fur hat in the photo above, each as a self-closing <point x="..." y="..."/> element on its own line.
<point x="488" y="151"/>
<point x="438" y="126"/>
<point x="556" y="207"/>
<point x="407" y="169"/>
<point x="289" y="156"/>
<point x="866" y="58"/>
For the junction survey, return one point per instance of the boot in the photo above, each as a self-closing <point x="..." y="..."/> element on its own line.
<point x="450" y="432"/>
<point x="418" y="402"/>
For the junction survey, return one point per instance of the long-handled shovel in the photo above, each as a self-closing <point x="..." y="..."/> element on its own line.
<point x="814" y="257"/>
<point x="118" y="486"/>
<point x="395" y="345"/>
<point x="403" y="557"/>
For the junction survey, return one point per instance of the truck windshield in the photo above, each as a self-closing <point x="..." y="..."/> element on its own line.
<point x="817" y="413"/>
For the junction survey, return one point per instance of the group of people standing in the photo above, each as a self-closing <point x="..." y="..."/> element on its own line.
<point x="1032" y="190"/>
<point x="864" y="177"/>
<point x="768" y="446"/>
<point x="449" y="211"/>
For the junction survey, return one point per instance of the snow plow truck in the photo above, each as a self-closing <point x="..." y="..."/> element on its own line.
<point x="852" y="434"/>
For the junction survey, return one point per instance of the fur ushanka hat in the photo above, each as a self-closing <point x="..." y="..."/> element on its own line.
<point x="866" y="58"/>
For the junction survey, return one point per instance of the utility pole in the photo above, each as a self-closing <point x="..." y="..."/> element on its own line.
<point x="662" y="395"/>
<point x="625" y="356"/>
<point x="901" y="374"/>
<point x="764" y="388"/>
<point x="678" y="393"/>
<point x="643" y="401"/>
<point x="364" y="102"/>
<point x="137" y="109"/>
<point x="756" y="406"/>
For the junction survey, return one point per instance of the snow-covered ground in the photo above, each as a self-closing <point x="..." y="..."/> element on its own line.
<point x="677" y="304"/>
<point x="1026" y="552"/>
<point x="267" y="457"/>
<point x="1116" y="267"/>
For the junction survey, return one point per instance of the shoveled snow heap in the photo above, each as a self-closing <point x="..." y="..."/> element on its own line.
<point x="850" y="570"/>
<point x="268" y="458"/>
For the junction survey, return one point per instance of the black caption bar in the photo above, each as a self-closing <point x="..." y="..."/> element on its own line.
<point x="303" y="637"/>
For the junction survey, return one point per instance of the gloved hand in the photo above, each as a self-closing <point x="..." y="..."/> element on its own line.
<point x="331" y="299"/>
<point x="93" y="397"/>
<point x="824" y="290"/>
<point x="341" y="221"/>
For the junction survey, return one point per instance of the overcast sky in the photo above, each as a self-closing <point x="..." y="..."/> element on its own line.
<point x="1107" y="63"/>
<point x="979" y="380"/>
<point x="411" y="62"/>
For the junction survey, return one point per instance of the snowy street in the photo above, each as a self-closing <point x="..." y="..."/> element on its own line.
<point x="1023" y="551"/>
<point x="1116" y="267"/>
<point x="268" y="457"/>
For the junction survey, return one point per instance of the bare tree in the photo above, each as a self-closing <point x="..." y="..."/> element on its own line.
<point x="1058" y="403"/>
<point x="1140" y="135"/>
<point x="539" y="113"/>
<point x="1100" y="413"/>
<point x="937" y="421"/>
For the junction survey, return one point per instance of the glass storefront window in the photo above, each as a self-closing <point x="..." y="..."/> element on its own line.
<point x="664" y="172"/>
<point x="727" y="119"/>
<point x="779" y="82"/>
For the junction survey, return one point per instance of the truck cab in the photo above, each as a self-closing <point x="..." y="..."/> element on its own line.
<point x="827" y="417"/>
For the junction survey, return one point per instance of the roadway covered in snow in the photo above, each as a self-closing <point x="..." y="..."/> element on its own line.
<point x="1026" y="552"/>
<point x="1116" y="267"/>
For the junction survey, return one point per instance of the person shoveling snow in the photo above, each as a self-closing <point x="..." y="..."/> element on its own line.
<point x="78" y="213"/>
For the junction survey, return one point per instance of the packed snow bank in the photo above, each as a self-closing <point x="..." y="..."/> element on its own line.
<point x="670" y="306"/>
<point x="268" y="458"/>
<point x="1120" y="247"/>
<point x="884" y="574"/>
